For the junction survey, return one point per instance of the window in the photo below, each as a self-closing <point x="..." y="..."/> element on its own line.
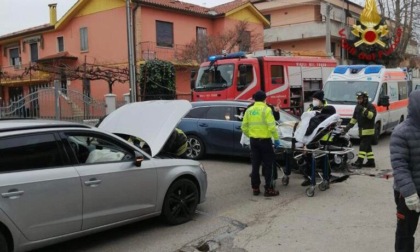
<point x="277" y="74"/>
<point x="245" y="41"/>
<point x="34" y="51"/>
<point x="60" y="43"/>
<point x="90" y="149"/>
<point x="219" y="113"/>
<point x="268" y="17"/>
<point x="164" y="34"/>
<point x="402" y="90"/>
<point x="197" y="112"/>
<point x="246" y="75"/>
<point x="14" y="57"/>
<point x="201" y="39"/>
<point x="40" y="151"/>
<point x="84" y="39"/>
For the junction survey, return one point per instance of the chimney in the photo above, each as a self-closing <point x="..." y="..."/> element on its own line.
<point x="53" y="13"/>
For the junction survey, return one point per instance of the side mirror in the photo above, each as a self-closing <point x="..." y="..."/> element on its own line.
<point x="138" y="158"/>
<point x="383" y="101"/>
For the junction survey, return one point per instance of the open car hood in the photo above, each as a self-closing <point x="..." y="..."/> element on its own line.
<point x="152" y="121"/>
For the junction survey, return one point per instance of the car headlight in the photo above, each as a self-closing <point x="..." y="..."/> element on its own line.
<point x="202" y="168"/>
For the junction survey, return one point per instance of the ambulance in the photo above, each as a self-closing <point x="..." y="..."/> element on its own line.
<point x="388" y="91"/>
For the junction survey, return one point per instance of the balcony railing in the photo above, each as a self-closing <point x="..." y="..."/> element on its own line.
<point x="22" y="73"/>
<point x="149" y="50"/>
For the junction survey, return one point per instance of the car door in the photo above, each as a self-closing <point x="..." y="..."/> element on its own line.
<point x="114" y="189"/>
<point x="217" y="129"/>
<point x="40" y="193"/>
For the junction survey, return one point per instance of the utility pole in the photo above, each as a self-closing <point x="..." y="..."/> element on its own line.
<point x="131" y="63"/>
<point x="328" y="30"/>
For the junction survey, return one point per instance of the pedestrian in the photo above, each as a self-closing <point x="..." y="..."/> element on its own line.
<point x="259" y="125"/>
<point x="405" y="162"/>
<point x="364" y="115"/>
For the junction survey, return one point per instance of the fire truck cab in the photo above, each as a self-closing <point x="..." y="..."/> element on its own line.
<point x="290" y="80"/>
<point x="388" y="91"/>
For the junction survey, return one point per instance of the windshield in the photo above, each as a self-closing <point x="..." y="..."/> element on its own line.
<point x="344" y="92"/>
<point x="215" y="77"/>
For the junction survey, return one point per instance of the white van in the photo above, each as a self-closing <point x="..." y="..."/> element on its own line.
<point x="388" y="91"/>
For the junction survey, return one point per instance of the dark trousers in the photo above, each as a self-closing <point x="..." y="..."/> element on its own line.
<point x="406" y="225"/>
<point x="262" y="152"/>
<point x="365" y="147"/>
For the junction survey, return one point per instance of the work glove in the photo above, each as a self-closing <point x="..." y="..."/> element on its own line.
<point x="277" y="144"/>
<point x="413" y="202"/>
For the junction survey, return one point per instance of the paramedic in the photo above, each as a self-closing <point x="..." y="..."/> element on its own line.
<point x="364" y="114"/>
<point x="405" y="162"/>
<point x="259" y="125"/>
<point x="318" y="103"/>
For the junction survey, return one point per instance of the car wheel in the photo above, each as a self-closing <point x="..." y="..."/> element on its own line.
<point x="375" y="140"/>
<point x="195" y="149"/>
<point x="3" y="243"/>
<point x="180" y="203"/>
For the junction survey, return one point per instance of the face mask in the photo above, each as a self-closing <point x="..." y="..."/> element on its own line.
<point x="315" y="103"/>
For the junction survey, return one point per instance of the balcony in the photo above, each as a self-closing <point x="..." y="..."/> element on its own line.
<point x="22" y="74"/>
<point x="300" y="31"/>
<point x="149" y="50"/>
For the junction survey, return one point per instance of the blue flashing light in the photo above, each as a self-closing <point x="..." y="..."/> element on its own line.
<point x="236" y="55"/>
<point x="341" y="69"/>
<point x="373" y="69"/>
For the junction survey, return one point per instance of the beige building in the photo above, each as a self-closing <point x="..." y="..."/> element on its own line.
<point x="305" y="25"/>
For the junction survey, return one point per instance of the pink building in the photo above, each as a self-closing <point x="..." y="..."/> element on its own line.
<point x="90" y="42"/>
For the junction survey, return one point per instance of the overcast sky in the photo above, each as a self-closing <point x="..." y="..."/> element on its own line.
<point x="35" y="12"/>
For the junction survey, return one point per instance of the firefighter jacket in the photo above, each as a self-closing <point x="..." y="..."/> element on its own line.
<point x="259" y="122"/>
<point x="364" y="116"/>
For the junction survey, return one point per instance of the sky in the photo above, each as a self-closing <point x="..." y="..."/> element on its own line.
<point x="36" y="12"/>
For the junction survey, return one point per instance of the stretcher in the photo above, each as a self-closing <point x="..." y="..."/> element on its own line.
<point x="309" y="148"/>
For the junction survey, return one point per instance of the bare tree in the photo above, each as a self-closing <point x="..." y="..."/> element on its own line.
<point x="401" y="15"/>
<point x="239" y="38"/>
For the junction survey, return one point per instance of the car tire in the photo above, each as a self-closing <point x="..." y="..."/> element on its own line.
<point x="3" y="243"/>
<point x="377" y="134"/>
<point x="181" y="201"/>
<point x="195" y="149"/>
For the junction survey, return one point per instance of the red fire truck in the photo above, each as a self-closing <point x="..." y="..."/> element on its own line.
<point x="237" y="76"/>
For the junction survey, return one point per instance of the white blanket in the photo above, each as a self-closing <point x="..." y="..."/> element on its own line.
<point x="286" y="130"/>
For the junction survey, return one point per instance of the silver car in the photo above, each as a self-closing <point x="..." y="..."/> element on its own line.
<point x="61" y="180"/>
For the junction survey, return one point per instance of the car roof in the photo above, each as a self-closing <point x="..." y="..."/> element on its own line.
<point x="27" y="124"/>
<point x="221" y="103"/>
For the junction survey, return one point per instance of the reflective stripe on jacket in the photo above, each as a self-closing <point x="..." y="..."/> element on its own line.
<point x="259" y="122"/>
<point x="365" y="118"/>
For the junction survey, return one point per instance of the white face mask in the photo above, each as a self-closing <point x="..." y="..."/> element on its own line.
<point x="315" y="103"/>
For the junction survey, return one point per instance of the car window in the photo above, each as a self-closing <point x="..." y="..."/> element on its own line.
<point x="197" y="112"/>
<point x="26" y="152"/>
<point x="220" y="113"/>
<point x="93" y="148"/>
<point x="239" y="114"/>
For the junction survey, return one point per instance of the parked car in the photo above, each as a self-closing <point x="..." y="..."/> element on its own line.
<point x="214" y="127"/>
<point x="61" y="180"/>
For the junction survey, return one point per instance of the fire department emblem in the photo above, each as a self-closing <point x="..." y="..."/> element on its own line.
<point x="370" y="30"/>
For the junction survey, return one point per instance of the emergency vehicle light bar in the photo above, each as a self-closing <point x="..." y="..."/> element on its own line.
<point x="236" y="55"/>
<point x="354" y="69"/>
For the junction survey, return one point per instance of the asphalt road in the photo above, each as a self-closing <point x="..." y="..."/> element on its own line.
<point x="230" y="209"/>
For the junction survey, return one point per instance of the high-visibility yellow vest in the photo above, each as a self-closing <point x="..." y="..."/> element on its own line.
<point x="259" y="122"/>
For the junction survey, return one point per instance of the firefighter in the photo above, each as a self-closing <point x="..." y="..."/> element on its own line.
<point x="259" y="125"/>
<point x="364" y="114"/>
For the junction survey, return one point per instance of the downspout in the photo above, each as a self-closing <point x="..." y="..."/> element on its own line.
<point x="137" y="5"/>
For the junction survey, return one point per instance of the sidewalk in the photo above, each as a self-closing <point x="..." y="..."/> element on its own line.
<point x="355" y="215"/>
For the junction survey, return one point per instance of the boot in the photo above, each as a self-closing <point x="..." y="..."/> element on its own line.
<point x="306" y="181"/>
<point x="358" y="164"/>
<point x="270" y="192"/>
<point x="370" y="163"/>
